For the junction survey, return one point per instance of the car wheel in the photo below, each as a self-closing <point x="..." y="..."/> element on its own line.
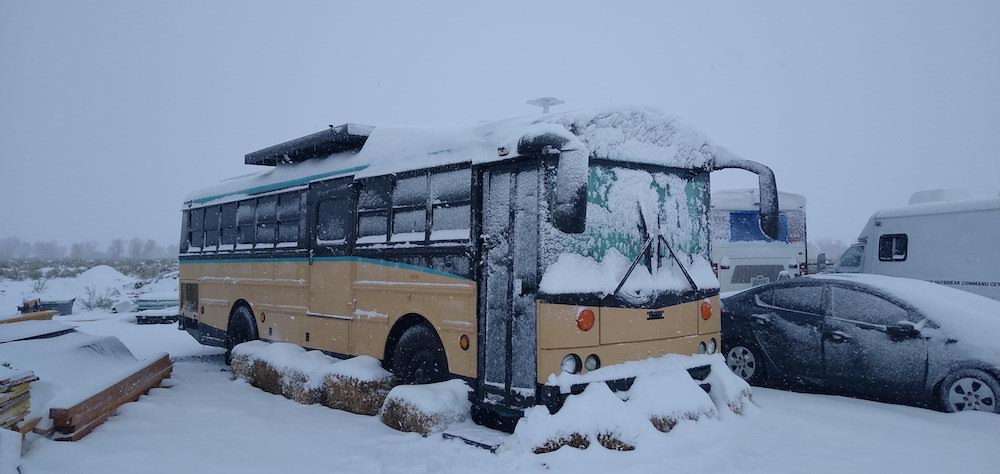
<point x="242" y="328"/>
<point x="969" y="390"/>
<point x="746" y="361"/>
<point x="419" y="357"/>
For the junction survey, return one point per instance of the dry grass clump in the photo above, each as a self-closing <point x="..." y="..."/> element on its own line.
<point x="575" y="440"/>
<point x="668" y="422"/>
<point x="611" y="441"/>
<point x="356" y="396"/>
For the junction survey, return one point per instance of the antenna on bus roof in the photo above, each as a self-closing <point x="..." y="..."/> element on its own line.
<point x="545" y="103"/>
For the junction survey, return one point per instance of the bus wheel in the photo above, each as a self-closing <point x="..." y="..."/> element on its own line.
<point x="242" y="328"/>
<point x="419" y="357"/>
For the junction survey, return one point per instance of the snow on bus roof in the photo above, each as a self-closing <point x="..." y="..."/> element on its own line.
<point x="942" y="207"/>
<point x="739" y="199"/>
<point x="634" y="134"/>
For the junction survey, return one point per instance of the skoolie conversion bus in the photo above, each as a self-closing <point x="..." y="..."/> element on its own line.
<point x="501" y="253"/>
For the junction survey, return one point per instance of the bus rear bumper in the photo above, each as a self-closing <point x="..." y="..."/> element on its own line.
<point x="551" y="396"/>
<point x="201" y="332"/>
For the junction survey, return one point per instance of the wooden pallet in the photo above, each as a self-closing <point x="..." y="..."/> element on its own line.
<point x="75" y="422"/>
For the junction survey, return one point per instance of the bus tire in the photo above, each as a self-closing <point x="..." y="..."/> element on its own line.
<point x="419" y="357"/>
<point x="242" y="328"/>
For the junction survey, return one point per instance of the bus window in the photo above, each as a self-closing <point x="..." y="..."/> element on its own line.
<point x="197" y="239"/>
<point x="228" y="234"/>
<point x="267" y="217"/>
<point x="288" y="219"/>
<point x="330" y="220"/>
<point x="244" y="220"/>
<point x="373" y="211"/>
<point x="409" y="209"/>
<point x="451" y="194"/>
<point x="212" y="227"/>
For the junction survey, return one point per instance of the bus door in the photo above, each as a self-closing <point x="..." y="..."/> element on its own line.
<point x="509" y="269"/>
<point x="331" y="217"/>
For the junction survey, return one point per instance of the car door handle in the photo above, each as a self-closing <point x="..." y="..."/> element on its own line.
<point x="761" y="318"/>
<point x="838" y="336"/>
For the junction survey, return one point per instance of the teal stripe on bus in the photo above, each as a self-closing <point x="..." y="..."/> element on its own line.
<point x="280" y="185"/>
<point x="371" y="261"/>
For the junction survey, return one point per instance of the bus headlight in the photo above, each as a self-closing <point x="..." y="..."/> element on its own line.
<point x="712" y="346"/>
<point x="702" y="348"/>
<point x="571" y="364"/>
<point x="592" y="363"/>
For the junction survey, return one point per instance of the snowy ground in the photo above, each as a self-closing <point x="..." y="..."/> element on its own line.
<point x="207" y="422"/>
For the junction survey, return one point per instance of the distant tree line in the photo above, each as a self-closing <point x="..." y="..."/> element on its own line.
<point x="15" y="248"/>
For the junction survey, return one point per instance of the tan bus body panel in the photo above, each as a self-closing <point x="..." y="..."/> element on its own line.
<point x="378" y="296"/>
<point x="622" y="334"/>
<point x="354" y="305"/>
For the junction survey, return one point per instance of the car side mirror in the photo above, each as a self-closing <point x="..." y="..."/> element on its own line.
<point x="903" y="330"/>
<point x="820" y="263"/>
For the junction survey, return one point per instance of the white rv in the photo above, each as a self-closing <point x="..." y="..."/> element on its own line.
<point x="954" y="243"/>
<point x="742" y="256"/>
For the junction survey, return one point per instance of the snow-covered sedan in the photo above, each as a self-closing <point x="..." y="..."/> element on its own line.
<point x="871" y="336"/>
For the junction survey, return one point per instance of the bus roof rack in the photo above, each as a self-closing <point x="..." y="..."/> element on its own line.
<point x="346" y="137"/>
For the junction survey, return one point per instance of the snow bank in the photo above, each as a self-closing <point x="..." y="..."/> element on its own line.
<point x="667" y="399"/>
<point x="10" y="452"/>
<point x="426" y="408"/>
<point x="596" y="415"/>
<point x="663" y="395"/>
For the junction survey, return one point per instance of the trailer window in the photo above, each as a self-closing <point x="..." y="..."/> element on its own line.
<point x="212" y="227"/>
<point x="892" y="248"/>
<point x="288" y="218"/>
<point x="451" y="194"/>
<point x="409" y="209"/>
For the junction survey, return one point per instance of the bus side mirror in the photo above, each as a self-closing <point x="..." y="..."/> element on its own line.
<point x="768" y="188"/>
<point x="569" y="214"/>
<point x="820" y="263"/>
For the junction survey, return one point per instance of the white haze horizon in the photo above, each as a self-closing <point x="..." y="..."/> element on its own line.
<point x="114" y="111"/>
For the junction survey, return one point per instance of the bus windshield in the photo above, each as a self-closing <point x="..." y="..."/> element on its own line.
<point x="626" y="206"/>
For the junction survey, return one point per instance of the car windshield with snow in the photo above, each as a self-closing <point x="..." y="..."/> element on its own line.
<point x="526" y="256"/>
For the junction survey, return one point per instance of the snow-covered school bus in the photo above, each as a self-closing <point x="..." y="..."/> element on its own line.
<point x="504" y="253"/>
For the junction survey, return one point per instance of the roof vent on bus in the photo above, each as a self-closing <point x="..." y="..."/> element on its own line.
<point x="346" y="137"/>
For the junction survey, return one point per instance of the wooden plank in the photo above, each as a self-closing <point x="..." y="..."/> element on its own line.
<point x="36" y="316"/>
<point x="80" y="419"/>
<point x="28" y="426"/>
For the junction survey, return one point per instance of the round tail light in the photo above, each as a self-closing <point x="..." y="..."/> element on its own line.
<point x="585" y="319"/>
<point x="706" y="310"/>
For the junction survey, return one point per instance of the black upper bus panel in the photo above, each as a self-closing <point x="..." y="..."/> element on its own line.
<point x="346" y="137"/>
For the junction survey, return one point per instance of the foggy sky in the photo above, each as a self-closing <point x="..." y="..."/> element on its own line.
<point x="112" y="112"/>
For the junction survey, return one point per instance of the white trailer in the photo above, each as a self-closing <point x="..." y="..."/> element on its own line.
<point x="953" y="243"/>
<point x="742" y="256"/>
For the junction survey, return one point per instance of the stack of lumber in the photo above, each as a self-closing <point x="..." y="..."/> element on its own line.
<point x="77" y="420"/>
<point x="36" y="316"/>
<point x="15" y="396"/>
